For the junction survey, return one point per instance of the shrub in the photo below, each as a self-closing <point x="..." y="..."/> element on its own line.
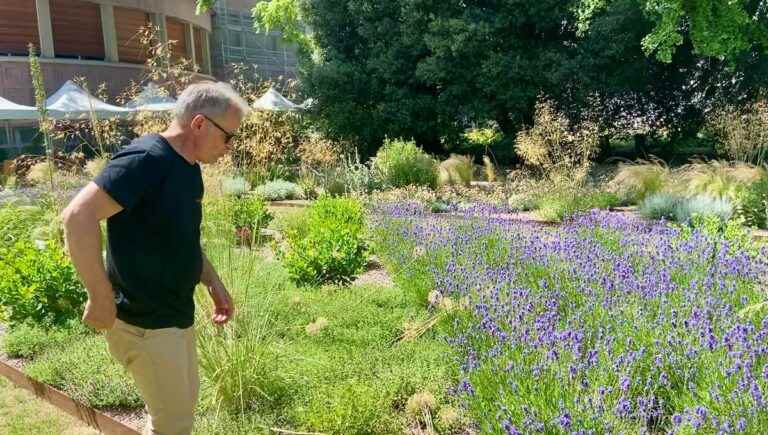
<point x="719" y="179"/>
<point x="249" y="216"/>
<point x="554" y="145"/>
<point x="636" y="181"/>
<point x="17" y="223"/>
<point x="680" y="209"/>
<point x="401" y="163"/>
<point x="94" y="166"/>
<point x="741" y="132"/>
<point x="564" y="204"/>
<point x="41" y="173"/>
<point x="87" y="373"/>
<point x="455" y="170"/>
<point x="278" y="190"/>
<point x="490" y="169"/>
<point x="659" y="205"/>
<point x="752" y="204"/>
<point x="39" y="284"/>
<point x="267" y="139"/>
<point x="702" y="205"/>
<point x="331" y="248"/>
<point x="234" y="186"/>
<point x="350" y="176"/>
<point x="27" y="340"/>
<point x="239" y="365"/>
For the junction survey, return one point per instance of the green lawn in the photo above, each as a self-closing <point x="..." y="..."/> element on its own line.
<point x="302" y="359"/>
<point x="21" y="413"/>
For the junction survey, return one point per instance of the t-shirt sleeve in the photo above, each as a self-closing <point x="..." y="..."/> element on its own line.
<point x="129" y="176"/>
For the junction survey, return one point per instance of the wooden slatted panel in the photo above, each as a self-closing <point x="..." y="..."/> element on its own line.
<point x="18" y="26"/>
<point x="199" y="35"/>
<point x="177" y="32"/>
<point x="77" y="29"/>
<point x="127" y="25"/>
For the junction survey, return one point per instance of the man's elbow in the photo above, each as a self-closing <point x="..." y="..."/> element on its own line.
<point x="72" y="216"/>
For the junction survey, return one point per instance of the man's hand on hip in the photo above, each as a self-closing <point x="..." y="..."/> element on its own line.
<point x="100" y="312"/>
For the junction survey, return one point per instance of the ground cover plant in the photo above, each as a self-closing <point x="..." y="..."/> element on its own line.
<point x="609" y="324"/>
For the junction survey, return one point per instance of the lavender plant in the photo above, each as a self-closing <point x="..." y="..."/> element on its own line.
<point x="608" y="324"/>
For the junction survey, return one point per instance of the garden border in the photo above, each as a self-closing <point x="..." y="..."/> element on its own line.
<point x="84" y="413"/>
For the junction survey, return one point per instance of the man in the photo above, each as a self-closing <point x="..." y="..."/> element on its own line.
<point x="150" y="193"/>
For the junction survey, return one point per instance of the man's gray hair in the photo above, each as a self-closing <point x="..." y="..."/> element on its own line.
<point x="211" y="99"/>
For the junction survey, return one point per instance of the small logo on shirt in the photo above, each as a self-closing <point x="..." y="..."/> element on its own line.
<point x="120" y="298"/>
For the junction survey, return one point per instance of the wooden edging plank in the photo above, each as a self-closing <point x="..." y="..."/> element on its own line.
<point x="84" y="413"/>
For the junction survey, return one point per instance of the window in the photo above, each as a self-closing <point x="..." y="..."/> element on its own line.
<point x="77" y="29"/>
<point x="235" y="38"/>
<point x="18" y="27"/>
<point x="127" y="25"/>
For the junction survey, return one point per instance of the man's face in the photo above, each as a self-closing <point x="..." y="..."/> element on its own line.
<point x="215" y="136"/>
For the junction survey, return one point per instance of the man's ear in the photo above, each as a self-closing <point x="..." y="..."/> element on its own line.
<point x="197" y="122"/>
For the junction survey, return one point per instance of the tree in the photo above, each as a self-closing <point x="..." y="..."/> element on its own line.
<point x="716" y="28"/>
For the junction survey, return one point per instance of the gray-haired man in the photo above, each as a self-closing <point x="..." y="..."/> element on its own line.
<point x="150" y="193"/>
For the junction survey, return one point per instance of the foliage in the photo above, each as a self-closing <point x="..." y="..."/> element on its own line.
<point x="251" y="212"/>
<point x="660" y="205"/>
<point x="401" y="163"/>
<point x="553" y="144"/>
<point x="86" y="372"/>
<point x="456" y="170"/>
<point x="742" y="131"/>
<point x="39" y="284"/>
<point x="268" y="369"/>
<point x="349" y="176"/>
<point x="683" y="209"/>
<point x="17" y="223"/>
<point x="716" y="28"/>
<point x="317" y="151"/>
<point x="581" y="299"/>
<point x="719" y="179"/>
<point x="267" y="139"/>
<point x="489" y="169"/>
<point x="146" y="122"/>
<point x="752" y="204"/>
<point x="331" y="248"/>
<point x="96" y="165"/>
<point x="238" y="364"/>
<point x="235" y="186"/>
<point x="703" y="205"/>
<point x="636" y="181"/>
<point x="28" y="340"/>
<point x="278" y="190"/>
<point x="559" y="205"/>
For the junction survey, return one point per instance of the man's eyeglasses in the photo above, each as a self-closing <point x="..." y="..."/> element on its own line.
<point x="227" y="135"/>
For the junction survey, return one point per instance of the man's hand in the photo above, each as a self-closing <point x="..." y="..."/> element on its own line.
<point x="100" y="313"/>
<point x="224" y="309"/>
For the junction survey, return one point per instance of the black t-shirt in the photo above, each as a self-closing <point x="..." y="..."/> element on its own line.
<point x="154" y="259"/>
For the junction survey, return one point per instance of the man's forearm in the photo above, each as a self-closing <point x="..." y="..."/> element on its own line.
<point x="83" y="235"/>
<point x="209" y="277"/>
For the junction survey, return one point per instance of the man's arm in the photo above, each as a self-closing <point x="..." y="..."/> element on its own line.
<point x="83" y="233"/>
<point x="222" y="301"/>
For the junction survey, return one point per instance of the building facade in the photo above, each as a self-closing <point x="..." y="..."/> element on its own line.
<point x="95" y="39"/>
<point x="235" y="41"/>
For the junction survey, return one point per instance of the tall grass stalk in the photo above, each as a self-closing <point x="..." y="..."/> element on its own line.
<point x="40" y="97"/>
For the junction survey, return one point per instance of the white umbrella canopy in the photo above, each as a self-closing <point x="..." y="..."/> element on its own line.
<point x="17" y="112"/>
<point x="73" y="102"/>
<point x="272" y="100"/>
<point x="152" y="98"/>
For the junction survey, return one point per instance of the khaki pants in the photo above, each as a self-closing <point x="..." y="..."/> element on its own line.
<point x="163" y="363"/>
